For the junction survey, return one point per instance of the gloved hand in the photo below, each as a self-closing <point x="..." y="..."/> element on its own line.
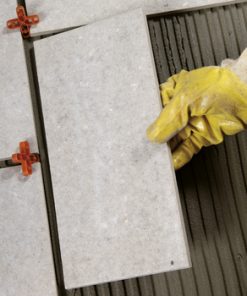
<point x="199" y="107"/>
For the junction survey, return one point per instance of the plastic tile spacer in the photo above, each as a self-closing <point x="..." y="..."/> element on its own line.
<point x="22" y="21"/>
<point x="25" y="158"/>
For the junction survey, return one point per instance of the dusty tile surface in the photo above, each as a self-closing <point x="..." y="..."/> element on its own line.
<point x="181" y="4"/>
<point x="26" y="264"/>
<point x="16" y="120"/>
<point x="59" y="14"/>
<point x="115" y="194"/>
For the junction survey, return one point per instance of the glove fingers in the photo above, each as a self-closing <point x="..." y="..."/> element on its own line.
<point x="212" y="128"/>
<point x="186" y="150"/>
<point x="174" y="143"/>
<point x="167" y="91"/>
<point x="170" y="122"/>
<point x="167" y="88"/>
<point x="180" y="137"/>
<point x="201" y="131"/>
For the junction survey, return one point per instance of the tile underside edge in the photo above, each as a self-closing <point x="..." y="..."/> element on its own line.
<point x="170" y="155"/>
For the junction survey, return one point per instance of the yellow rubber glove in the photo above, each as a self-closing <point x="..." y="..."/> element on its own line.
<point x="200" y="106"/>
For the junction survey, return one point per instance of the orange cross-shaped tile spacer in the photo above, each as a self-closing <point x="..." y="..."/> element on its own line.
<point x="23" y="21"/>
<point x="25" y="158"/>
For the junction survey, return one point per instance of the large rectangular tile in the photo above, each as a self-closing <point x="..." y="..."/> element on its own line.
<point x="26" y="263"/>
<point x="60" y="14"/>
<point x="115" y="193"/>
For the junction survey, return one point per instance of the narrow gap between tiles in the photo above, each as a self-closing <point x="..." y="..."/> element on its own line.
<point x="6" y="163"/>
<point x="45" y="166"/>
<point x="41" y="138"/>
<point x="48" y="34"/>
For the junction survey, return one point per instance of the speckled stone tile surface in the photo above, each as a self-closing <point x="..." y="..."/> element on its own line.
<point x="115" y="193"/>
<point x="59" y="14"/>
<point x="16" y="120"/>
<point x="26" y="264"/>
<point x="182" y="4"/>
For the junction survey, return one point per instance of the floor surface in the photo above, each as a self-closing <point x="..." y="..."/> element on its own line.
<point x="213" y="185"/>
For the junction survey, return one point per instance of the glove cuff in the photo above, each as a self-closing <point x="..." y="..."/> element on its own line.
<point x="238" y="66"/>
